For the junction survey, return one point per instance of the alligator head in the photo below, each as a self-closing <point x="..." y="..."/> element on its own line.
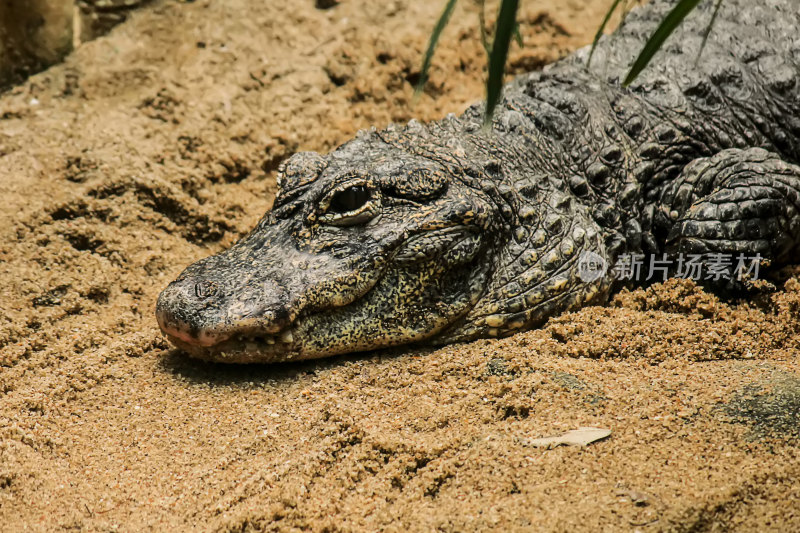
<point x="385" y="241"/>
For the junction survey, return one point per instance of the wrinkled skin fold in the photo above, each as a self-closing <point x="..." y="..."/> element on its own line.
<point x="446" y="232"/>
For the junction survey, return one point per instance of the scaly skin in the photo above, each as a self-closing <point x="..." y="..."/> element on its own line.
<point x="445" y="232"/>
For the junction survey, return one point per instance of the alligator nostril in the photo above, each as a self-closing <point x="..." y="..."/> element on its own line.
<point x="204" y="289"/>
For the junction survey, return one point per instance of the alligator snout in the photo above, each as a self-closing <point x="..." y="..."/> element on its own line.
<point x="198" y="313"/>
<point x="182" y="312"/>
<point x="174" y="312"/>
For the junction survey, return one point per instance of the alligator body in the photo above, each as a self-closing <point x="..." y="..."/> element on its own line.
<point x="445" y="232"/>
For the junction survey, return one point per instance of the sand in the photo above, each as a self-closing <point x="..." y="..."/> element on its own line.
<point x="157" y="145"/>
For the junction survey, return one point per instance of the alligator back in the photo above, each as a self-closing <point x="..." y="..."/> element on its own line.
<point x="620" y="150"/>
<point x="743" y="90"/>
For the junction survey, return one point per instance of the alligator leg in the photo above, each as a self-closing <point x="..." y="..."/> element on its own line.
<point x="739" y="202"/>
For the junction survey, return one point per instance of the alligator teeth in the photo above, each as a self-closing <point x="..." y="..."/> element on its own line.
<point x="254" y="343"/>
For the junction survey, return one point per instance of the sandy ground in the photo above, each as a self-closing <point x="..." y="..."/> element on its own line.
<point x="157" y="145"/>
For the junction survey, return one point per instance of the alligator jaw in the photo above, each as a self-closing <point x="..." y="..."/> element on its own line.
<point x="243" y="348"/>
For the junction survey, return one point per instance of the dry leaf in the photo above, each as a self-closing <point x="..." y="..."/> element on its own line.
<point x="577" y="437"/>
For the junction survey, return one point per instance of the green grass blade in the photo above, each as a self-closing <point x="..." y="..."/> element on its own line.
<point x="482" y="24"/>
<point x="506" y="21"/>
<point x="437" y="32"/>
<point x="518" y="35"/>
<point x="601" y="29"/>
<point x="664" y="30"/>
<point x="707" y="32"/>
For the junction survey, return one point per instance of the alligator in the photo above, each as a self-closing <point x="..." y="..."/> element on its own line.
<point x="450" y="231"/>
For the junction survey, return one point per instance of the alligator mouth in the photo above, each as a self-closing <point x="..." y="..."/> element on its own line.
<point x="245" y="341"/>
<point x="243" y="348"/>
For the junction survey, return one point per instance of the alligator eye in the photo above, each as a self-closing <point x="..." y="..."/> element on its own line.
<point x="350" y="199"/>
<point x="350" y="206"/>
